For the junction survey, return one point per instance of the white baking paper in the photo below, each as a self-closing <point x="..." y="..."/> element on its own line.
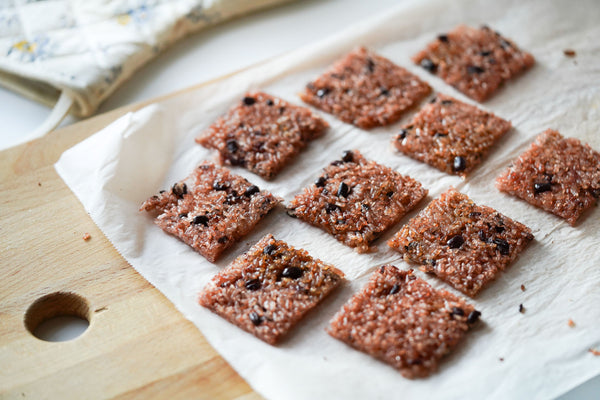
<point x="534" y="355"/>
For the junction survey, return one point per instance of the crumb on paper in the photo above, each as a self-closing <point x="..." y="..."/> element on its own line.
<point x="571" y="323"/>
<point x="522" y="288"/>
<point x="521" y="309"/>
<point x="39" y="184"/>
<point x="86" y="236"/>
<point x="501" y="359"/>
<point x="595" y="352"/>
<point x="569" y="52"/>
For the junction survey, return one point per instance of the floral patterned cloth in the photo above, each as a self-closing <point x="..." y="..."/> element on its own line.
<point x="87" y="48"/>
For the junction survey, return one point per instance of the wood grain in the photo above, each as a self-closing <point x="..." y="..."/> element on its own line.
<point x="137" y="345"/>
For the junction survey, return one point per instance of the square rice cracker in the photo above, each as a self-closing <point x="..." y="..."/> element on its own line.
<point x="356" y="200"/>
<point x="262" y="133"/>
<point x="557" y="174"/>
<point x="211" y="209"/>
<point x="450" y="135"/>
<point x="463" y="244"/>
<point x="475" y="61"/>
<point x="401" y="320"/>
<point x="268" y="289"/>
<point x="366" y="90"/>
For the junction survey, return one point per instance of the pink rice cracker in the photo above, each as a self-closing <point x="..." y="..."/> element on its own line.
<point x="557" y="174"/>
<point x="475" y="61"/>
<point x="401" y="320"/>
<point x="268" y="289"/>
<point x="366" y="90"/>
<point x="450" y="135"/>
<point x="356" y="200"/>
<point x="463" y="244"/>
<point x="211" y="209"/>
<point x="262" y="133"/>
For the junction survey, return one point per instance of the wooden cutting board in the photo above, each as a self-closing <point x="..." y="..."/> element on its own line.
<point x="137" y="345"/>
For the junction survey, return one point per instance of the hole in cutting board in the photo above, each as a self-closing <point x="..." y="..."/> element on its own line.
<point x="58" y="316"/>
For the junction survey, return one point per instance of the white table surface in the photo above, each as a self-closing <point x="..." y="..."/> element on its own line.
<point x="214" y="52"/>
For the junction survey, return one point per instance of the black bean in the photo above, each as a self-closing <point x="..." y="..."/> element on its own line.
<point x="270" y="249"/>
<point x="343" y="190"/>
<point x="161" y="192"/>
<point x="502" y="246"/>
<point x="251" y="190"/>
<point x="446" y="102"/>
<point x="390" y="193"/>
<point x="200" y="219"/>
<point x="443" y="38"/>
<point x="499" y="229"/>
<point x="253" y="284"/>
<point x="291" y="213"/>
<point x="402" y="134"/>
<point x="249" y="100"/>
<point x="395" y="289"/>
<point x="232" y="145"/>
<point x="320" y="182"/>
<point x="542" y="187"/>
<point x="459" y="164"/>
<point x="219" y="186"/>
<point x="473" y="317"/>
<point x="322" y="92"/>
<point x="455" y="242"/>
<point x="474" y="69"/>
<point x="384" y="91"/>
<point x="336" y="163"/>
<point x="348" y="156"/>
<point x="223" y="239"/>
<point x="255" y="318"/>
<point x="482" y="236"/>
<point x="370" y="65"/>
<point x="505" y="43"/>
<point x="292" y="272"/>
<point x="179" y="189"/>
<point x="485" y="53"/>
<point x="330" y="207"/>
<point x="428" y="65"/>
<point x="183" y="215"/>
<point x="458" y="311"/>
<point x="270" y="102"/>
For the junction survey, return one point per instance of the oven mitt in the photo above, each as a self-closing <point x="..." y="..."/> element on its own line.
<point x="72" y="54"/>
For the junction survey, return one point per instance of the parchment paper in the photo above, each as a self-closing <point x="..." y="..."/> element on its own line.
<point x="510" y="355"/>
